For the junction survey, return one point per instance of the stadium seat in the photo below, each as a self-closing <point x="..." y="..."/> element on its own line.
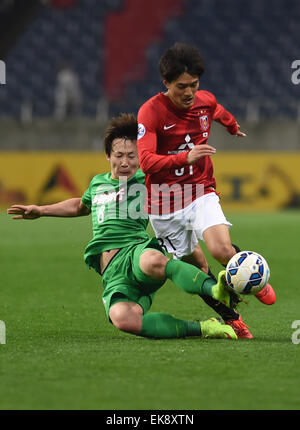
<point x="247" y="58"/>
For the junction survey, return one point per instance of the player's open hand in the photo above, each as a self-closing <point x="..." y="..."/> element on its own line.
<point x="24" y="212"/>
<point x="199" y="151"/>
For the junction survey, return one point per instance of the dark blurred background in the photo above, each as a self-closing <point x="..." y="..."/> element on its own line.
<point x="95" y="58"/>
<point x="68" y="66"/>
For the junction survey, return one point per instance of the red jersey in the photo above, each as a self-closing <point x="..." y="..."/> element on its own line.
<point x="166" y="135"/>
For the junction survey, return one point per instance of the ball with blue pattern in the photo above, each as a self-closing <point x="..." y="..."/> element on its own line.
<point x="247" y="272"/>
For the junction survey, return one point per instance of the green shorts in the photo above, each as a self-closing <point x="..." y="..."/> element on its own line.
<point x="123" y="279"/>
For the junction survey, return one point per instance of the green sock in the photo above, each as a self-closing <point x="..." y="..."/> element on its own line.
<point x="163" y="326"/>
<point x="189" y="278"/>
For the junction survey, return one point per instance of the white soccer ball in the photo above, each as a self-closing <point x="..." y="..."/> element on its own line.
<point x="247" y="272"/>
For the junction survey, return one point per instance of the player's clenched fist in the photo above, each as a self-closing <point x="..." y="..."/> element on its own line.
<point x="24" y="212"/>
<point x="198" y="152"/>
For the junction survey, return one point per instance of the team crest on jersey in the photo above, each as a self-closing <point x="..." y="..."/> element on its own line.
<point x="141" y="131"/>
<point x="204" y="122"/>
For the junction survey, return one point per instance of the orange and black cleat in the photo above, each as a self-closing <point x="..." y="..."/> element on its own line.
<point x="240" y="328"/>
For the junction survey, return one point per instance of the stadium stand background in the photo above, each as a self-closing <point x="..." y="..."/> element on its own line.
<point x="115" y="45"/>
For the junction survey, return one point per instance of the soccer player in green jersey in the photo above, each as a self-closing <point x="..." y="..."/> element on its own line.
<point x="133" y="266"/>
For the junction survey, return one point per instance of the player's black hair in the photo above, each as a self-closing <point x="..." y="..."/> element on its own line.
<point x="123" y="126"/>
<point x="181" y="58"/>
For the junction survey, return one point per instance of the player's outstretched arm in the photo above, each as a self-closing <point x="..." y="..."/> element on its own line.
<point x="67" y="208"/>
<point x="225" y="118"/>
<point x="239" y="132"/>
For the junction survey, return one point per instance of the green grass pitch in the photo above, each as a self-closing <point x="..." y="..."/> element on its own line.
<point x="61" y="352"/>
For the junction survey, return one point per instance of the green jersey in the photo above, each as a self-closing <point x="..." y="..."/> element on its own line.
<point x="118" y="213"/>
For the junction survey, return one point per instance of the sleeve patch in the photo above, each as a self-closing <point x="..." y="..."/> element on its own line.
<point x="141" y="131"/>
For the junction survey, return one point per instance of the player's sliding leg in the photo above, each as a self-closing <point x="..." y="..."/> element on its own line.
<point x="128" y="317"/>
<point x="164" y="326"/>
<point x="186" y="276"/>
<point x="180" y="274"/>
<point x="192" y="280"/>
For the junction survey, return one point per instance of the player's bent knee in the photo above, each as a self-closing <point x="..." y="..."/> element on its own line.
<point x="118" y="315"/>
<point x="153" y="263"/>
<point x="125" y="318"/>
<point x="128" y="326"/>
<point x="223" y="252"/>
<point x="123" y="325"/>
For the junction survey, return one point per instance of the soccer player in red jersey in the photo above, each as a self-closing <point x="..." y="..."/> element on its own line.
<point x="183" y="204"/>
